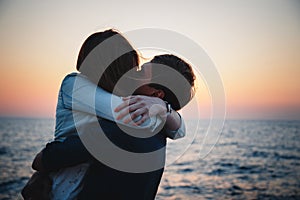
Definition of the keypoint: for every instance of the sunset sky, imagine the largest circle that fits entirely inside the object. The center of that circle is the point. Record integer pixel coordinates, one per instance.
(255, 46)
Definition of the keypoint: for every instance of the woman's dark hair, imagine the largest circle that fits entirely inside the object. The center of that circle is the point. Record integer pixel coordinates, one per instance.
(186, 92)
(110, 60)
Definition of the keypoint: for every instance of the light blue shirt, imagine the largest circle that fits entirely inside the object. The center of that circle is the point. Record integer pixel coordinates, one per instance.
(80, 102)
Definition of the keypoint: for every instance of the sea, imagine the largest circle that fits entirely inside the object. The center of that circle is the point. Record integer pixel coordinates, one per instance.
(248, 159)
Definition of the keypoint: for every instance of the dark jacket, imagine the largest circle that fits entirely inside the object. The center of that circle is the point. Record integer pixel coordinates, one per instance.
(101, 181)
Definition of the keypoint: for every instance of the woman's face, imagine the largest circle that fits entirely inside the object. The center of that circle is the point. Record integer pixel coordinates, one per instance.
(145, 74)
(137, 79)
(145, 90)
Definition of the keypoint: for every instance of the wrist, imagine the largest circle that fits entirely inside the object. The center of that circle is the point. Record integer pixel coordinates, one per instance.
(168, 108)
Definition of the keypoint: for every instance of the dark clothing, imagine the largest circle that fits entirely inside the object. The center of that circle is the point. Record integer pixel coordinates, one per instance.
(107, 183)
(101, 181)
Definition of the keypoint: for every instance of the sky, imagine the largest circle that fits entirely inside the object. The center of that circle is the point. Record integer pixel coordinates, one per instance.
(255, 46)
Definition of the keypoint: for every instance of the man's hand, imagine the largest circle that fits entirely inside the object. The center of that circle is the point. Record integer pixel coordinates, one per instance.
(37, 162)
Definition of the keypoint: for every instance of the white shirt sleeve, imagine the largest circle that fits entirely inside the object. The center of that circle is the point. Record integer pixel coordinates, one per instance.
(82, 95)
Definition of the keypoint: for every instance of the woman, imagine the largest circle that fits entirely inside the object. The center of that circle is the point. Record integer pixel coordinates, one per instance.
(65, 126)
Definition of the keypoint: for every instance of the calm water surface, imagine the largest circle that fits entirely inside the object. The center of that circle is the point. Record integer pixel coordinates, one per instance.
(252, 160)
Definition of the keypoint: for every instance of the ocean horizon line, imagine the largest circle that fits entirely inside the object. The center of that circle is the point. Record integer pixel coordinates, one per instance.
(187, 118)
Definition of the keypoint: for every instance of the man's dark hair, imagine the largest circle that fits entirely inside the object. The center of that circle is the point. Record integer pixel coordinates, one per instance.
(185, 70)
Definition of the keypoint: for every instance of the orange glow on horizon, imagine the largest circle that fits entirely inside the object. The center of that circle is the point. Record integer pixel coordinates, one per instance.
(255, 48)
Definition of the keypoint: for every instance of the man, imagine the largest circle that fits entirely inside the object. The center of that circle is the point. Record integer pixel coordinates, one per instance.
(103, 181)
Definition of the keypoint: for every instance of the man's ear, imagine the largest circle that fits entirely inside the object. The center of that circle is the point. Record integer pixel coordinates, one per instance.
(159, 93)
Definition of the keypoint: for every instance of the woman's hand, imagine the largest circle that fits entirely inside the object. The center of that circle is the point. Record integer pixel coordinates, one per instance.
(140, 105)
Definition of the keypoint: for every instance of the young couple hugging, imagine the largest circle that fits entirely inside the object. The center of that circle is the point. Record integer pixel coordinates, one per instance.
(136, 108)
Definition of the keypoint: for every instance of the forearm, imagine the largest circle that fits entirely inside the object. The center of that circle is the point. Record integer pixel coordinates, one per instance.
(173, 121)
(175, 126)
(57, 155)
(82, 95)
